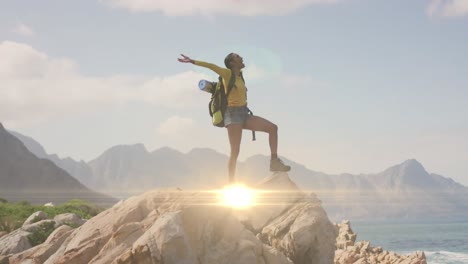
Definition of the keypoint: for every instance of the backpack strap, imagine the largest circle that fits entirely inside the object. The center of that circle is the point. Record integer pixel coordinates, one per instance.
(232, 81)
(253, 131)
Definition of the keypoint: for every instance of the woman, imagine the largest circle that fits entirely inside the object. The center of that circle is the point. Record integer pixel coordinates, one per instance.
(236, 116)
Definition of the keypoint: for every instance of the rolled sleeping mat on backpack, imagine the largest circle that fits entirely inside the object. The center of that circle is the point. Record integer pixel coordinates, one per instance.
(206, 86)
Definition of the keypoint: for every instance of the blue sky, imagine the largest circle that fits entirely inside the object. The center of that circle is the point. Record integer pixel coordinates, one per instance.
(354, 85)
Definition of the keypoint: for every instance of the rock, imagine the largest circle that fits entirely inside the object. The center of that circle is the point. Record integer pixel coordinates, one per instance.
(40, 253)
(175, 226)
(161, 226)
(364, 246)
(363, 253)
(70, 219)
(35, 217)
(174, 237)
(43, 224)
(121, 240)
(3, 233)
(298, 226)
(280, 194)
(273, 256)
(49, 204)
(377, 250)
(346, 236)
(15, 242)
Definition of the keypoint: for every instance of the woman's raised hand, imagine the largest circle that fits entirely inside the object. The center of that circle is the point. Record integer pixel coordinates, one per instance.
(185, 59)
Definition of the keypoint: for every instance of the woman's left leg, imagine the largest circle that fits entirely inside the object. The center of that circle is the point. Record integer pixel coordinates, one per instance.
(257, 123)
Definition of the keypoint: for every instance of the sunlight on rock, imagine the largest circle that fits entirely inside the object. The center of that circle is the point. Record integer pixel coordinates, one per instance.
(237, 196)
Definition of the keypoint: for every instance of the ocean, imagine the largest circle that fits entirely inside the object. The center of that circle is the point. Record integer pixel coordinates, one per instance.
(443, 243)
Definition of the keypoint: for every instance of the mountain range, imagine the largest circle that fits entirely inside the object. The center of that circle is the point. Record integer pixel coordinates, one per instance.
(24, 176)
(406, 190)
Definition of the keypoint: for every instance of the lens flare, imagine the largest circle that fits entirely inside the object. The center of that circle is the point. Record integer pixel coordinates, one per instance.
(238, 196)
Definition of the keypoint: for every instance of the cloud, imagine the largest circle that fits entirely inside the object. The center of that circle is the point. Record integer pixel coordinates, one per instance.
(24, 30)
(213, 7)
(447, 8)
(179, 90)
(35, 87)
(283, 80)
(295, 81)
(175, 125)
(255, 72)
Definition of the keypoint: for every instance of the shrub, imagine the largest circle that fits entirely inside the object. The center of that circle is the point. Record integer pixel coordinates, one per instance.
(40, 235)
(24, 203)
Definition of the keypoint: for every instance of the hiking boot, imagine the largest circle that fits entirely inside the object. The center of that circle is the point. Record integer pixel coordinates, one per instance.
(277, 165)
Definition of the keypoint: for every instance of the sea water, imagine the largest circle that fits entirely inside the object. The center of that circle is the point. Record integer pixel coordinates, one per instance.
(443, 243)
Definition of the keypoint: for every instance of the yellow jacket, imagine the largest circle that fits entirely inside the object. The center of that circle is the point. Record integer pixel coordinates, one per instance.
(238, 94)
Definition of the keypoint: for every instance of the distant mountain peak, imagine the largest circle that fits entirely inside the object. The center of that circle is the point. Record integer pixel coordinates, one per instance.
(411, 162)
(203, 151)
(410, 173)
(412, 166)
(139, 147)
(166, 150)
(33, 146)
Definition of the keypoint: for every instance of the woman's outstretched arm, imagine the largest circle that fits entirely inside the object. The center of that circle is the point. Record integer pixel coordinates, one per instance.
(225, 73)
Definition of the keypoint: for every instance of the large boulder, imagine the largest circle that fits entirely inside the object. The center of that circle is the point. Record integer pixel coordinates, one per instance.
(295, 223)
(35, 217)
(175, 226)
(15, 242)
(69, 219)
(45, 225)
(42, 252)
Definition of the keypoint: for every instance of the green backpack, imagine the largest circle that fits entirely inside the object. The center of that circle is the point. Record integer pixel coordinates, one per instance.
(218, 103)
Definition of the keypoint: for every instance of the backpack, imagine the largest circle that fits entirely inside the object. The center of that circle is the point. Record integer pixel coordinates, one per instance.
(218, 103)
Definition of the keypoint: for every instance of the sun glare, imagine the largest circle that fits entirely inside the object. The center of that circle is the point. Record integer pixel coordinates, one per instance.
(238, 196)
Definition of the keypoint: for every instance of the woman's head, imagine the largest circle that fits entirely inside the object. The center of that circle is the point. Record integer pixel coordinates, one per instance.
(233, 60)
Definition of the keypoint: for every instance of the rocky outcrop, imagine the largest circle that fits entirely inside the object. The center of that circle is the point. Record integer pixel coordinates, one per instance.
(68, 219)
(35, 217)
(285, 226)
(20, 240)
(15, 242)
(175, 226)
(293, 222)
(349, 252)
(42, 252)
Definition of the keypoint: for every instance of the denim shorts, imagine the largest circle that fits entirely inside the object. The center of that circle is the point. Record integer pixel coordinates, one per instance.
(236, 115)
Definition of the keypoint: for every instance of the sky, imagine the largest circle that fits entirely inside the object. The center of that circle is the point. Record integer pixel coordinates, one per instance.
(355, 86)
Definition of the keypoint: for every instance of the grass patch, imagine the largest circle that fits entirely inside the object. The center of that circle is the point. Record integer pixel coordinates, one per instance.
(13, 215)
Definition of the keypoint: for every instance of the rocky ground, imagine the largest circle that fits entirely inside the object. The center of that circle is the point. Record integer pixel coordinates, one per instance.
(349, 251)
(176, 226)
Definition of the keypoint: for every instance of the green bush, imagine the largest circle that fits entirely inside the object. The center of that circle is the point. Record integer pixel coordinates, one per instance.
(24, 203)
(40, 235)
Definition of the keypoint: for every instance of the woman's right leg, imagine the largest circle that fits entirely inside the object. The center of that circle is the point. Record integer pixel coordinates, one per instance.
(235, 136)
